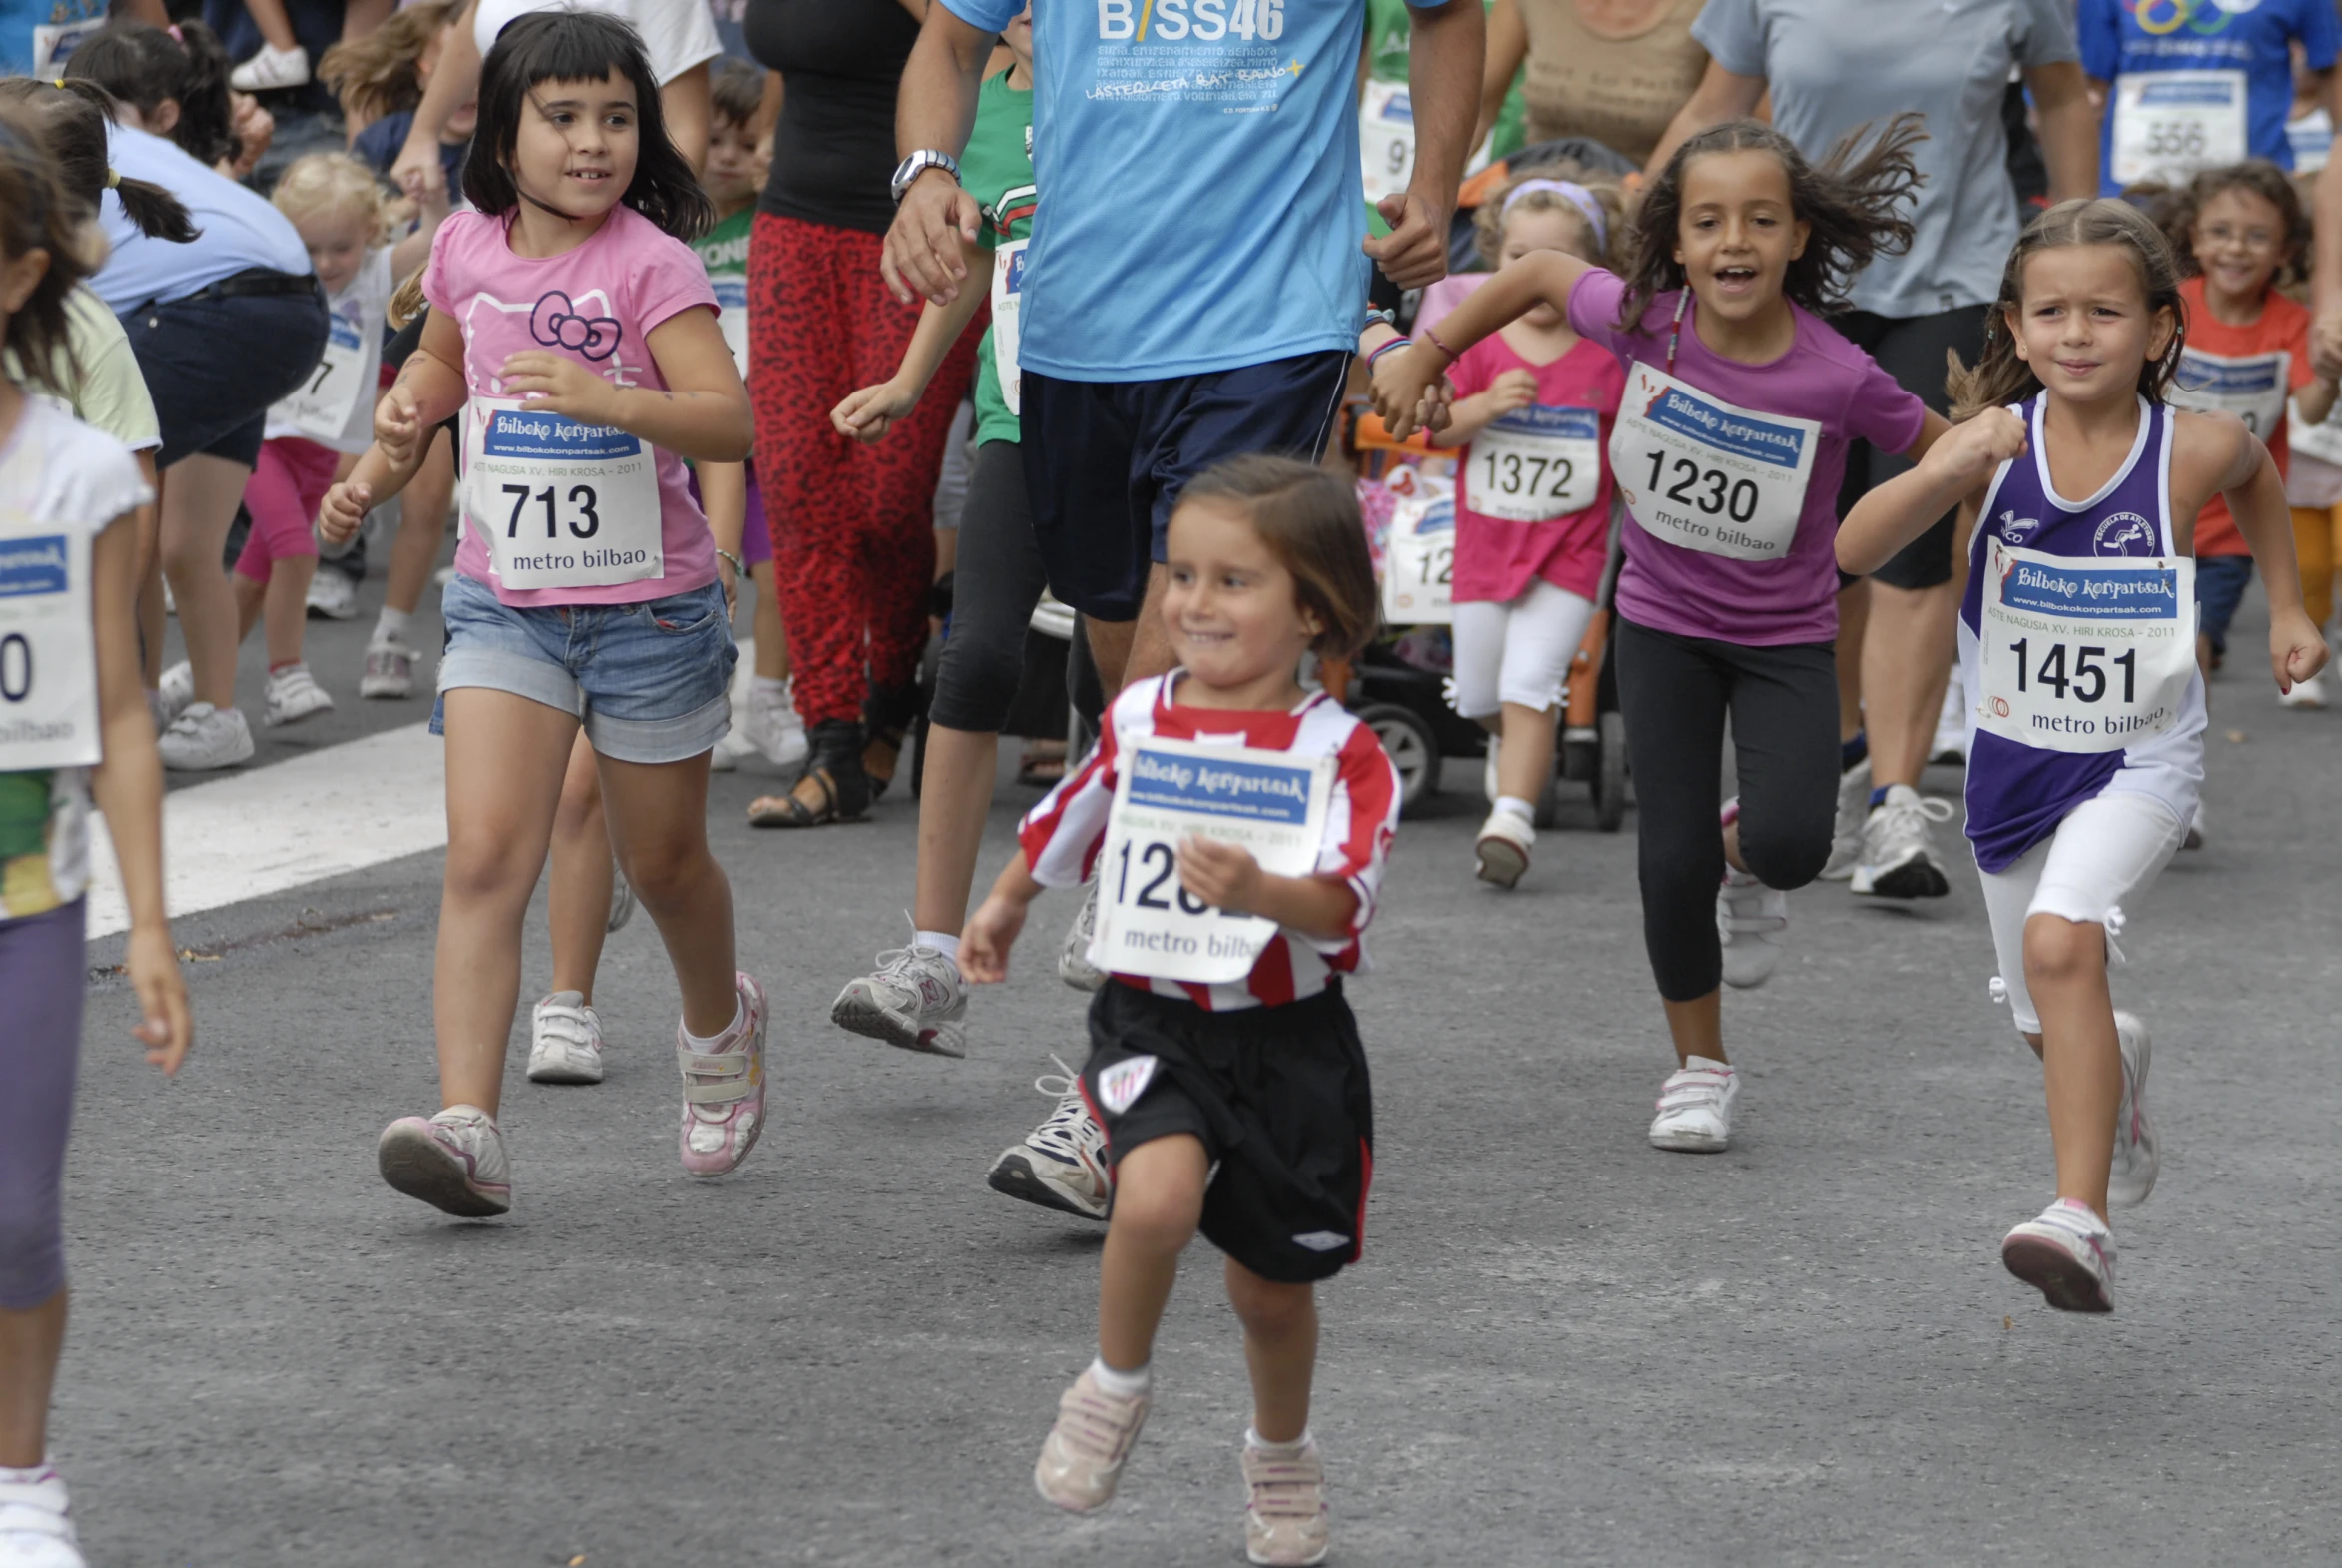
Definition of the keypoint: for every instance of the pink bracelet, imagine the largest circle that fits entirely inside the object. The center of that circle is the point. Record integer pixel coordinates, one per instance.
(1433, 334)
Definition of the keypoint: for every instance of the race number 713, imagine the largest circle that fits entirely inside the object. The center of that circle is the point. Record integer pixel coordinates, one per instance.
(582, 501)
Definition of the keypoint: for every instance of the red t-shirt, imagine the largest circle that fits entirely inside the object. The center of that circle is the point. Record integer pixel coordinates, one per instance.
(2245, 370)
(1554, 453)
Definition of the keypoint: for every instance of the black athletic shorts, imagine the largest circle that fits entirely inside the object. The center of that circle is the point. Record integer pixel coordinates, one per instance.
(1911, 349)
(1104, 462)
(1278, 1096)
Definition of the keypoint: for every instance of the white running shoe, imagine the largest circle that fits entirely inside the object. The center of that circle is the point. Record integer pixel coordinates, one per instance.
(389, 670)
(1074, 965)
(1062, 1162)
(2067, 1255)
(1845, 836)
(292, 694)
(2310, 693)
(1285, 1521)
(915, 1000)
(1898, 857)
(453, 1161)
(1503, 849)
(36, 1521)
(1750, 918)
(729, 751)
(564, 1041)
(176, 693)
(204, 737)
(272, 70)
(333, 595)
(2137, 1155)
(2196, 837)
(723, 1088)
(621, 898)
(773, 726)
(1694, 1107)
(1951, 742)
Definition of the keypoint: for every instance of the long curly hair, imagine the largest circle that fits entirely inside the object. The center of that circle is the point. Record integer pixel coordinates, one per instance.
(1853, 204)
(2262, 179)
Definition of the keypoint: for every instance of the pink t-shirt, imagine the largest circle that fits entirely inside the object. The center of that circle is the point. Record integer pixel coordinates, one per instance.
(599, 304)
(1518, 460)
(1822, 377)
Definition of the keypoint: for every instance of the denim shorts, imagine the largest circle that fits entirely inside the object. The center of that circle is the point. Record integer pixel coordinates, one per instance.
(651, 681)
(2220, 581)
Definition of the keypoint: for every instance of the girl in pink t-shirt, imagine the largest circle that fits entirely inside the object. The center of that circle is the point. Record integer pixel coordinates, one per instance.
(576, 333)
(1532, 417)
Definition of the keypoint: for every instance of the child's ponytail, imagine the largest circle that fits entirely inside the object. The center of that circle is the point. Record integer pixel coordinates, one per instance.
(72, 117)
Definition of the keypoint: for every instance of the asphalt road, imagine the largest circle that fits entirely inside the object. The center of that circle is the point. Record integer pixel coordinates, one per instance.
(1562, 1345)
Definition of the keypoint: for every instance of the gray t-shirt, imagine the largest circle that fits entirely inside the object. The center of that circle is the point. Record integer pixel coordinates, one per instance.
(1833, 64)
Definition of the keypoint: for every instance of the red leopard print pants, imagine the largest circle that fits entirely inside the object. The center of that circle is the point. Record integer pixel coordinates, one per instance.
(852, 524)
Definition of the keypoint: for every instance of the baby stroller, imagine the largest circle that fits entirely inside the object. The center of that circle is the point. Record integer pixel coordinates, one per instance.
(1399, 685)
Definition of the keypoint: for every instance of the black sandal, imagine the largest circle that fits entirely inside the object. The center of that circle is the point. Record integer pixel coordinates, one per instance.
(840, 790)
(886, 721)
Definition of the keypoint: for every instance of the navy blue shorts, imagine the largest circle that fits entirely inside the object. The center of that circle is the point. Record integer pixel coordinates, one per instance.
(215, 365)
(1104, 462)
(2220, 581)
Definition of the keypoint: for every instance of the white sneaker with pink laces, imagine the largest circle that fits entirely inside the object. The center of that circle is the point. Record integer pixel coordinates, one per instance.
(1081, 1458)
(453, 1161)
(2067, 1255)
(723, 1088)
(1286, 1522)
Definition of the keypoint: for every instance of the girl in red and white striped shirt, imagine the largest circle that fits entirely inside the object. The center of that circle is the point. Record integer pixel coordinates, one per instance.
(1262, 1076)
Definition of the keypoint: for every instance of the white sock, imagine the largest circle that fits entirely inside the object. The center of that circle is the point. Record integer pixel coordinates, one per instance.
(702, 1041)
(1513, 805)
(29, 1476)
(1123, 1385)
(943, 942)
(767, 686)
(1254, 1440)
(391, 626)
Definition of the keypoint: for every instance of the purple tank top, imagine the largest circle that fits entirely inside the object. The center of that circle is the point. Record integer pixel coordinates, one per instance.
(2017, 794)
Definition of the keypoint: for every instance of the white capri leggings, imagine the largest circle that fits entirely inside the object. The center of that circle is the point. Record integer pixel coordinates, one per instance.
(1518, 651)
(2103, 855)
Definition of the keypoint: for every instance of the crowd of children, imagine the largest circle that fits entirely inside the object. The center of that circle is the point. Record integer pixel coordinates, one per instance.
(1645, 398)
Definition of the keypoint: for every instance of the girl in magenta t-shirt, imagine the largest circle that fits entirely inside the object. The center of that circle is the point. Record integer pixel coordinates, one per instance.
(1730, 441)
(576, 332)
(1532, 416)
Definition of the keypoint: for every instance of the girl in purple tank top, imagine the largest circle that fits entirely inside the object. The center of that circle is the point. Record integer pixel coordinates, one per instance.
(2080, 487)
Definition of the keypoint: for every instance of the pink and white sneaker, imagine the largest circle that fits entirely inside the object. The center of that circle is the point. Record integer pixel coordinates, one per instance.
(2067, 1255)
(723, 1088)
(453, 1161)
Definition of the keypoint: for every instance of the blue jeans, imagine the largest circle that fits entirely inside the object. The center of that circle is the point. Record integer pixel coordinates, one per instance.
(651, 681)
(2220, 581)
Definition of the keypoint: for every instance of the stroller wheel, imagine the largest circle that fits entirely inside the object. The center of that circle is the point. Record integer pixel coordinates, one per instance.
(1610, 773)
(1412, 747)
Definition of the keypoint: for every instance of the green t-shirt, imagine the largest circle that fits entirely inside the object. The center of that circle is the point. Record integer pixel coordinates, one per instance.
(723, 249)
(1389, 26)
(996, 168)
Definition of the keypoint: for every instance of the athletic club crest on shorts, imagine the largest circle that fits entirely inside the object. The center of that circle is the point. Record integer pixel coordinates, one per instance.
(1119, 1085)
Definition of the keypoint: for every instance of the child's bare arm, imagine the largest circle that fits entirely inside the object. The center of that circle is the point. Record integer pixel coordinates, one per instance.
(2256, 501)
(1402, 377)
(1227, 876)
(989, 933)
(1950, 469)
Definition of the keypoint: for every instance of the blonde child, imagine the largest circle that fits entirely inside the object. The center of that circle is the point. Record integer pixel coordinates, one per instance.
(77, 731)
(1534, 404)
(2077, 642)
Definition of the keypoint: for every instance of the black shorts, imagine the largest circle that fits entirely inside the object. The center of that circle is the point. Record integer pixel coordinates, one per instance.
(214, 367)
(1910, 349)
(1278, 1097)
(1104, 462)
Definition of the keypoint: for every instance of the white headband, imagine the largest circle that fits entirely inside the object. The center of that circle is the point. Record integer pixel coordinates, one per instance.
(1576, 195)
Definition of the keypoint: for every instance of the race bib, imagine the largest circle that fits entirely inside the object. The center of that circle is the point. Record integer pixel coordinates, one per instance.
(1387, 139)
(1008, 293)
(732, 315)
(561, 505)
(322, 408)
(1698, 473)
(1419, 567)
(54, 43)
(48, 652)
(1535, 464)
(2251, 385)
(1269, 802)
(2084, 654)
(2171, 124)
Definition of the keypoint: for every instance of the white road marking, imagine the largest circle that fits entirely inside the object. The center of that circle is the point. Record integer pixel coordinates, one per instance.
(252, 834)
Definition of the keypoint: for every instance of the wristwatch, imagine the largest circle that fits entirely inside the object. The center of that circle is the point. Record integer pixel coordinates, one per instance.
(918, 164)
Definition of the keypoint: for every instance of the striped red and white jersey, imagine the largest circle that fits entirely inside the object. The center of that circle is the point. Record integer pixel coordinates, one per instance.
(1062, 836)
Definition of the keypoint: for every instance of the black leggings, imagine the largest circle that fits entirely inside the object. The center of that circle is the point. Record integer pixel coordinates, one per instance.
(1674, 693)
(996, 581)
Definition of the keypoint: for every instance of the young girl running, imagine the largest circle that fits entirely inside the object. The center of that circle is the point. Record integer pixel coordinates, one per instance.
(338, 209)
(2078, 642)
(1224, 1064)
(1534, 407)
(1727, 450)
(577, 333)
(76, 727)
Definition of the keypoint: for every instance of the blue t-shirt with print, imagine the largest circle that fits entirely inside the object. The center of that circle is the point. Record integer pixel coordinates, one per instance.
(1214, 212)
(2140, 37)
(37, 35)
